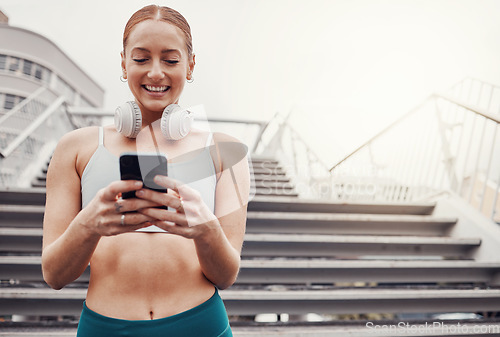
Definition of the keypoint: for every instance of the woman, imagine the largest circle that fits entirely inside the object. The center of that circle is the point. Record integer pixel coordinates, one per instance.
(147, 284)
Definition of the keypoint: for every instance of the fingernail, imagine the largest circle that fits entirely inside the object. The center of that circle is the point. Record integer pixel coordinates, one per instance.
(138, 183)
(159, 179)
(140, 193)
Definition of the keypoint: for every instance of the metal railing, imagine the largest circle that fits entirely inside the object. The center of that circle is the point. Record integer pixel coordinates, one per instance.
(247, 131)
(28, 135)
(449, 142)
(30, 131)
(308, 173)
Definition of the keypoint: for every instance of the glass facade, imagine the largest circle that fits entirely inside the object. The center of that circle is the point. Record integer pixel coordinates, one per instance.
(22, 67)
(8, 101)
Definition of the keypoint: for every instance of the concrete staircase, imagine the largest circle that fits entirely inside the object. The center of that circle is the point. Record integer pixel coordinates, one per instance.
(360, 268)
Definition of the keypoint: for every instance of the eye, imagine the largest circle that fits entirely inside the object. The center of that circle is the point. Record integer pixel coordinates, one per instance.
(172, 61)
(140, 60)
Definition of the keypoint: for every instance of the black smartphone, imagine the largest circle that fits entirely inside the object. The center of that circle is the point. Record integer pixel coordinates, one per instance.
(143, 167)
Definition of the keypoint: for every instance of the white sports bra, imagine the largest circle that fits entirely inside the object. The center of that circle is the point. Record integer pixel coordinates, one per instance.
(103, 168)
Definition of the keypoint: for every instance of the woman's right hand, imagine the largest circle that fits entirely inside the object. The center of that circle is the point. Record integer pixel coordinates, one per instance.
(108, 214)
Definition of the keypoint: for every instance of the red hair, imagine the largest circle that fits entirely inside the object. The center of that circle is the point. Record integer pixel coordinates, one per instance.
(161, 13)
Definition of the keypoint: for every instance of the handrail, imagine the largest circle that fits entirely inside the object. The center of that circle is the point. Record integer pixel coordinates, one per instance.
(470, 107)
(32, 127)
(263, 128)
(309, 149)
(21, 105)
(389, 127)
(86, 111)
(452, 145)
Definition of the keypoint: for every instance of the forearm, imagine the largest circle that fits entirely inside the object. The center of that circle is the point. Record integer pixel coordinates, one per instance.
(219, 260)
(65, 259)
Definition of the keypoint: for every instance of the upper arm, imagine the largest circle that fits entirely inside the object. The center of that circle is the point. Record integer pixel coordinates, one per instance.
(233, 188)
(63, 200)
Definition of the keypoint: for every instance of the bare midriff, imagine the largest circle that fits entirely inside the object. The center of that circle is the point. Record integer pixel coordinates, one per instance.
(140, 276)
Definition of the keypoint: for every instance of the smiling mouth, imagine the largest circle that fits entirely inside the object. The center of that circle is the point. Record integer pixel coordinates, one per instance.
(154, 88)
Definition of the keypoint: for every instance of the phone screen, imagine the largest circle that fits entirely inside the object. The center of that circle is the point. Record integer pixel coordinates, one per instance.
(143, 167)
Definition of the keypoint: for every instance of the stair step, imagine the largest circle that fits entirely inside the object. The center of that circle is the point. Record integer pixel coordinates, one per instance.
(38, 184)
(346, 301)
(41, 180)
(21, 216)
(36, 196)
(266, 164)
(367, 224)
(325, 329)
(278, 171)
(276, 193)
(22, 196)
(284, 204)
(68, 301)
(294, 271)
(272, 185)
(26, 240)
(276, 212)
(265, 177)
(27, 269)
(303, 245)
(262, 159)
(29, 240)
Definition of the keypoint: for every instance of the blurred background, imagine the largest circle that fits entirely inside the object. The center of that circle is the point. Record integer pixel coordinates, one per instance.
(344, 68)
(353, 216)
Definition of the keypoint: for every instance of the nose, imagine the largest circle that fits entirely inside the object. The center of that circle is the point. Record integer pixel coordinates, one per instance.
(156, 73)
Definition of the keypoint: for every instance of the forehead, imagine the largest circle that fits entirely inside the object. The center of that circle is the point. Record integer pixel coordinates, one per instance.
(156, 35)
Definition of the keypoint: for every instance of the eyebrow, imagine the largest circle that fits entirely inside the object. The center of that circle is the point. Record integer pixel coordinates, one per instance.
(164, 51)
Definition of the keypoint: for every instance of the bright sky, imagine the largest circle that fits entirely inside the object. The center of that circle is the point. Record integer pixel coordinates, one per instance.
(346, 68)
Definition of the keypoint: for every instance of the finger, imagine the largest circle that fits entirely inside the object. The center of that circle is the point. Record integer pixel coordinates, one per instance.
(173, 228)
(164, 215)
(160, 198)
(181, 189)
(168, 182)
(121, 186)
(133, 204)
(132, 219)
(180, 208)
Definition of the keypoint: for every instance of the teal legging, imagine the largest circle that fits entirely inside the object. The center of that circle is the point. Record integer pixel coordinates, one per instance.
(208, 319)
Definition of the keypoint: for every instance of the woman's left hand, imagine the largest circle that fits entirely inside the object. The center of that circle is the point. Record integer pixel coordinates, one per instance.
(190, 218)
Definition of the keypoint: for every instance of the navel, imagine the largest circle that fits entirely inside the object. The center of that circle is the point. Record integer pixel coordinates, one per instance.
(151, 314)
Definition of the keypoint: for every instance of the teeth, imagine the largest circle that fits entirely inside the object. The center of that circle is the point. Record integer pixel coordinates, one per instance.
(157, 89)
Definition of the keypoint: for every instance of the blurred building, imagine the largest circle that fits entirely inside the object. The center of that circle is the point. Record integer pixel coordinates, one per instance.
(38, 82)
(29, 61)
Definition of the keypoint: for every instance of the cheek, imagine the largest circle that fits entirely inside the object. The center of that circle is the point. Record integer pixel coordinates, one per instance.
(179, 77)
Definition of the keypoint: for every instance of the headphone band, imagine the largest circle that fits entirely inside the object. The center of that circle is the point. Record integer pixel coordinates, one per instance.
(176, 122)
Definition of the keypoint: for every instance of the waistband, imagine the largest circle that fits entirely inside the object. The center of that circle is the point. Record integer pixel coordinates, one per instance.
(209, 317)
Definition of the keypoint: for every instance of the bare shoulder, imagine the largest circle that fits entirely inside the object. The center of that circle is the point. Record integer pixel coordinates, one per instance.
(230, 149)
(75, 146)
(220, 137)
(78, 138)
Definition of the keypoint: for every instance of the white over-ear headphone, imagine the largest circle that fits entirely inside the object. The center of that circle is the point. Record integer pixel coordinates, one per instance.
(176, 122)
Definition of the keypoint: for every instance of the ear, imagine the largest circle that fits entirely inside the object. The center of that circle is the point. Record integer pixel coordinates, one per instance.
(124, 69)
(191, 64)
